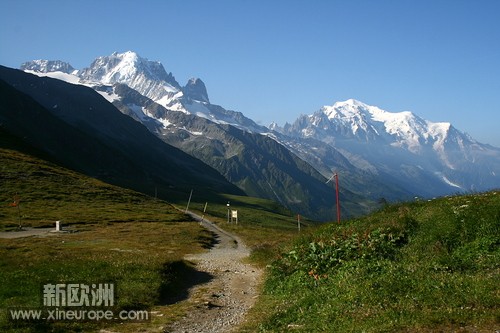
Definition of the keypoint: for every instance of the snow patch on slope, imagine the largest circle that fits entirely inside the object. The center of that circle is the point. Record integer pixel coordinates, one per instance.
(447, 181)
(70, 78)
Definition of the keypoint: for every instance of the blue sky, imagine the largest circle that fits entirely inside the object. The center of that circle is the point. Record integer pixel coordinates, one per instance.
(274, 60)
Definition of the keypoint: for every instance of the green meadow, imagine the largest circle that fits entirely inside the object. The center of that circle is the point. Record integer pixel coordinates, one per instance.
(424, 266)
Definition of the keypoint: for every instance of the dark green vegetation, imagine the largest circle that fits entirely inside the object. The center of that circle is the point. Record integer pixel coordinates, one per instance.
(415, 267)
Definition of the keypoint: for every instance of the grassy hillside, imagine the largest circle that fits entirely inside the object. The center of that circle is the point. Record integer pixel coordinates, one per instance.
(48, 193)
(417, 267)
(117, 236)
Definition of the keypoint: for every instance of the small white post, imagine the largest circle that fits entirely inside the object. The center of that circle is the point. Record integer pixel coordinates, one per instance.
(58, 226)
(189, 200)
(204, 210)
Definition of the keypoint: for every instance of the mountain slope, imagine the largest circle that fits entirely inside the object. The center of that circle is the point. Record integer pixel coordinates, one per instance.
(256, 163)
(82, 130)
(355, 175)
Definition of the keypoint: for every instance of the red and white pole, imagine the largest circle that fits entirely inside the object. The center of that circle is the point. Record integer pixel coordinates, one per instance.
(337, 195)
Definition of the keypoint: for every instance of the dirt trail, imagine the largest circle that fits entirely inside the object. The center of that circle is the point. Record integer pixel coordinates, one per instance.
(222, 303)
(27, 232)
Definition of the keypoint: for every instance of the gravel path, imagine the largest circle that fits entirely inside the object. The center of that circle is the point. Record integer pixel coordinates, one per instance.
(27, 232)
(222, 303)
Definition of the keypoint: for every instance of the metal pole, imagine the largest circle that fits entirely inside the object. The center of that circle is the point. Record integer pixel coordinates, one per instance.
(337, 194)
(187, 207)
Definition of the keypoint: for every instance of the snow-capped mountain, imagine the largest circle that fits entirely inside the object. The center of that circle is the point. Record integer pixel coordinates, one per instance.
(364, 123)
(402, 144)
(379, 153)
(147, 77)
(352, 121)
(151, 80)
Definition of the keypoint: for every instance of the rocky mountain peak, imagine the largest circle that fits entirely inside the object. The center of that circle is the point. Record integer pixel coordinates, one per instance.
(196, 89)
(128, 68)
(47, 66)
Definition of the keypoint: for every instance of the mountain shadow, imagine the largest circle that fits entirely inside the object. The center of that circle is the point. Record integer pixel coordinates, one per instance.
(81, 130)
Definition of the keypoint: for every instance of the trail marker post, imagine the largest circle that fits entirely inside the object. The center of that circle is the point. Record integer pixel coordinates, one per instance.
(204, 210)
(234, 216)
